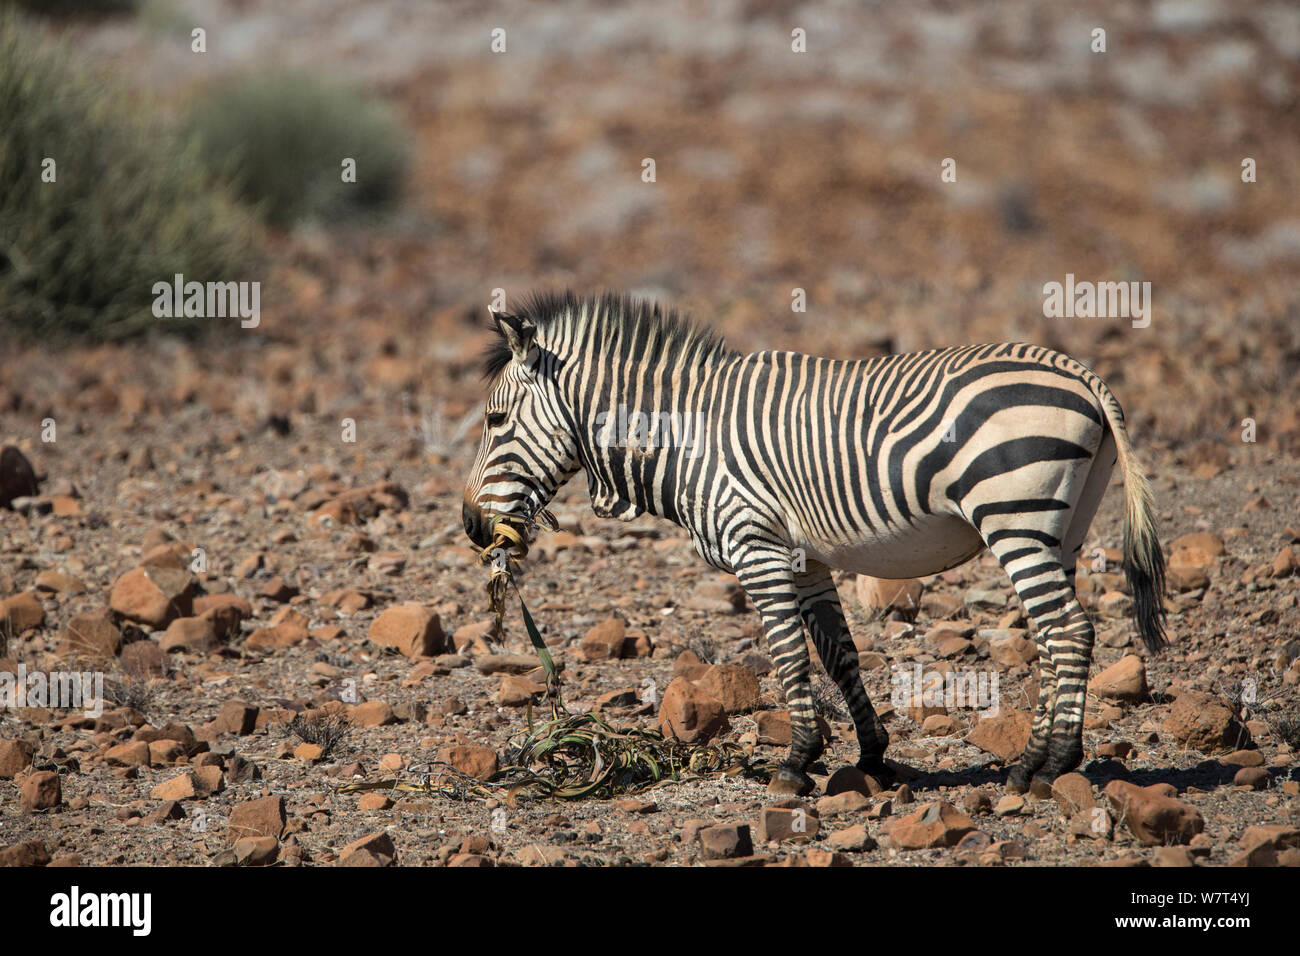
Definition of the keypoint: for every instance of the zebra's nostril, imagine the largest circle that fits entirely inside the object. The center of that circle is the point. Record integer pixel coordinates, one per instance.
(470, 519)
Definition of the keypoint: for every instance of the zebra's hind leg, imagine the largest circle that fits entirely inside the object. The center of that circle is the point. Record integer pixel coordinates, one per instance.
(819, 604)
(1065, 639)
(766, 574)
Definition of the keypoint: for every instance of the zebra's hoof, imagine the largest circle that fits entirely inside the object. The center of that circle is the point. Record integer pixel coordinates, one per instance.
(1018, 780)
(789, 783)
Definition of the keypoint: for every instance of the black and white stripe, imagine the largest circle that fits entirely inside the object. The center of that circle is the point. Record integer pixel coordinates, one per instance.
(895, 467)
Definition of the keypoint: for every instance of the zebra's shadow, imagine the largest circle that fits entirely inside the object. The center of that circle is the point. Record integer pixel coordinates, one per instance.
(1207, 775)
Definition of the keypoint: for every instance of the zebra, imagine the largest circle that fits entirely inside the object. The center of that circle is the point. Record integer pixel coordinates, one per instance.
(895, 467)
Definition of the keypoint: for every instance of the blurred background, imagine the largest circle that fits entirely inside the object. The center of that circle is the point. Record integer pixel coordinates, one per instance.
(522, 169)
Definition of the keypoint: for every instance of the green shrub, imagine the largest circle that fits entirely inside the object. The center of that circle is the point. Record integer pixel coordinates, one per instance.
(283, 138)
(130, 205)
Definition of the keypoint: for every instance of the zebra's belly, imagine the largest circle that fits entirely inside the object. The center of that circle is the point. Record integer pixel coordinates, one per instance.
(932, 543)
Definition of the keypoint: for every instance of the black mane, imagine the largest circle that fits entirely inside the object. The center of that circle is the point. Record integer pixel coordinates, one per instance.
(637, 326)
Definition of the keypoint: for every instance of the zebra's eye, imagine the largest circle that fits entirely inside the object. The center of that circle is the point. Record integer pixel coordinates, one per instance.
(496, 419)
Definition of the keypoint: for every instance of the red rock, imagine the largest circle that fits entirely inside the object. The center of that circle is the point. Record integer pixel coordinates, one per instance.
(135, 754)
(15, 757)
(603, 642)
(1073, 794)
(20, 613)
(478, 762)
(725, 842)
(732, 685)
(1257, 778)
(1010, 647)
(937, 824)
(1205, 723)
(1152, 815)
(1004, 736)
(882, 595)
(373, 713)
(516, 690)
(376, 849)
(690, 713)
(28, 853)
(210, 602)
(257, 818)
(59, 583)
(256, 851)
(852, 839)
(774, 727)
(41, 790)
(235, 717)
(180, 787)
(164, 752)
(153, 596)
(781, 824)
(1206, 541)
(1124, 681)
(411, 629)
(91, 635)
(277, 589)
(196, 634)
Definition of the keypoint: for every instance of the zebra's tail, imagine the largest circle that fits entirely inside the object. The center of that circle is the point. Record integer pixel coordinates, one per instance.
(1144, 562)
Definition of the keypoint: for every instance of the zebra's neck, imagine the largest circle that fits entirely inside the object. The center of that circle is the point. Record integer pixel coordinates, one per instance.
(642, 416)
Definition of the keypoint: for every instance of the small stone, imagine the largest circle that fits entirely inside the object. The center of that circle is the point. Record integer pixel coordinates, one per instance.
(373, 713)
(177, 788)
(411, 629)
(263, 817)
(1205, 723)
(22, 612)
(782, 824)
(1009, 805)
(1073, 794)
(474, 761)
(732, 685)
(256, 851)
(725, 842)
(153, 596)
(1004, 736)
(883, 595)
(42, 790)
(690, 713)
(1152, 814)
(936, 824)
(1124, 681)
(852, 839)
(1256, 778)
(15, 757)
(376, 849)
(604, 642)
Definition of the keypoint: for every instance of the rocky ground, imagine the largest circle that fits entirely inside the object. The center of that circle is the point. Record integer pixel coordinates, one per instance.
(266, 527)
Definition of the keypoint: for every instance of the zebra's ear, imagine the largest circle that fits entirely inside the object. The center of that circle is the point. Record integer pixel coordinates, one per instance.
(519, 334)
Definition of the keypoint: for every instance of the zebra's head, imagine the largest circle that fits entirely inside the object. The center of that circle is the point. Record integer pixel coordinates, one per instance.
(528, 449)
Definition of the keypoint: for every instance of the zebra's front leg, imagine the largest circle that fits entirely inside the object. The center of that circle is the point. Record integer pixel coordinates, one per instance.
(767, 577)
(823, 616)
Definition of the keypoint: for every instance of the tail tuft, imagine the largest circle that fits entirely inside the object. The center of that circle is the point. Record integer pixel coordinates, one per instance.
(1144, 562)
